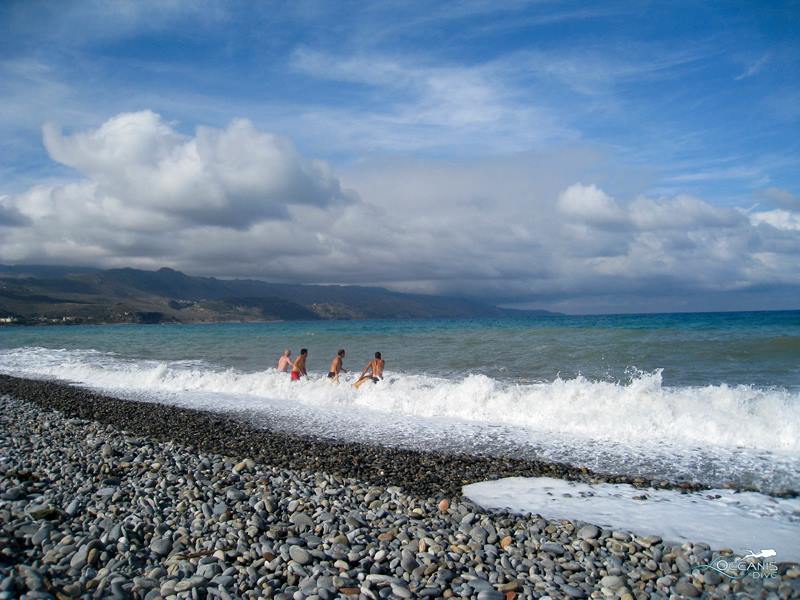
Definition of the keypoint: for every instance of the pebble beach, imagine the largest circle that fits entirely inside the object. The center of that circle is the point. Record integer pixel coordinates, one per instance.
(109, 498)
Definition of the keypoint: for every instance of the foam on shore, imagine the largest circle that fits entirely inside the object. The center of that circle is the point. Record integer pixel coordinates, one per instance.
(639, 409)
(743, 522)
(714, 435)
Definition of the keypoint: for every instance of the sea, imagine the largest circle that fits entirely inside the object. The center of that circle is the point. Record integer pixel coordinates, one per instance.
(709, 398)
(712, 398)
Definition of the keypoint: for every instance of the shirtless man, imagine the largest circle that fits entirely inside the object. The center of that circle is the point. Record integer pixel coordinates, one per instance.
(299, 366)
(373, 371)
(337, 367)
(285, 361)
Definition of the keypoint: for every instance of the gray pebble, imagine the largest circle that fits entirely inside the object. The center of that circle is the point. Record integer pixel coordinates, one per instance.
(300, 555)
(612, 582)
(72, 507)
(161, 546)
(553, 548)
(684, 588)
(588, 532)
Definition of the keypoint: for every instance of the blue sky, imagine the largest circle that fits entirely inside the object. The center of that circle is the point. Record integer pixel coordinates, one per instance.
(645, 101)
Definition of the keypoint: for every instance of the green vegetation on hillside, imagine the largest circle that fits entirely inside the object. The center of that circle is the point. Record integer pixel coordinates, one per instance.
(45, 294)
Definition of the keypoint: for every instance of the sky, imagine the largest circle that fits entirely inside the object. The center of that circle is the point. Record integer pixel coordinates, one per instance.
(581, 157)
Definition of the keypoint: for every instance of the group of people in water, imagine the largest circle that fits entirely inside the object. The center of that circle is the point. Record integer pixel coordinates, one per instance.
(297, 367)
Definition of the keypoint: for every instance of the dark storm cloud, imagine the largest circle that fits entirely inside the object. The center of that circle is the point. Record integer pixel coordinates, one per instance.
(781, 198)
(11, 217)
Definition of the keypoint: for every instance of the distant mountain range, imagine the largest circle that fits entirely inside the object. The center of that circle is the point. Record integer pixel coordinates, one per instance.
(52, 294)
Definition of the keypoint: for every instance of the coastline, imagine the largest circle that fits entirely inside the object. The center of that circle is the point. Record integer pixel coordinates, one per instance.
(427, 473)
(103, 497)
(109, 323)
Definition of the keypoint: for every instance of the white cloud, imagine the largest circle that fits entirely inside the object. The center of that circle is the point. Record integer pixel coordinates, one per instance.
(785, 219)
(753, 67)
(681, 212)
(241, 202)
(411, 105)
(778, 218)
(590, 204)
(233, 177)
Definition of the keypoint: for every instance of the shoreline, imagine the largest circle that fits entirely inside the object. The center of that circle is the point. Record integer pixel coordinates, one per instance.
(109, 323)
(427, 473)
(88, 510)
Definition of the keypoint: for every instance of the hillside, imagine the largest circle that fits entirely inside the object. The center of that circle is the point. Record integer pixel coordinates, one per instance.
(48, 294)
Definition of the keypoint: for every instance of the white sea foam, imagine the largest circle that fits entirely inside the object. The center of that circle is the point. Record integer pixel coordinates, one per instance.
(721, 518)
(641, 410)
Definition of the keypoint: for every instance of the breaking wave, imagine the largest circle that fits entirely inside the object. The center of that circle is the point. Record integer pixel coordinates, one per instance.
(639, 410)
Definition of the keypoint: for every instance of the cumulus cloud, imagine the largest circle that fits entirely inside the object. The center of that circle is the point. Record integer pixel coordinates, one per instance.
(785, 218)
(778, 218)
(238, 201)
(232, 177)
(590, 204)
(147, 195)
(517, 231)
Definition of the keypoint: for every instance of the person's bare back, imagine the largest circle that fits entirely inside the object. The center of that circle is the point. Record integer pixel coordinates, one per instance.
(373, 371)
(377, 367)
(337, 367)
(285, 361)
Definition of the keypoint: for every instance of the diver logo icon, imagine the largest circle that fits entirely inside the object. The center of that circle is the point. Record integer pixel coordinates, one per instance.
(768, 553)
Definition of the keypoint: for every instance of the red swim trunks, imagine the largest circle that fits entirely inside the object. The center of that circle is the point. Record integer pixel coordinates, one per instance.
(295, 375)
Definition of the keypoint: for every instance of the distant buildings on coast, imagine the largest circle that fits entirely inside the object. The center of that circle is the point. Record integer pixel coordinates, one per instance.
(12, 320)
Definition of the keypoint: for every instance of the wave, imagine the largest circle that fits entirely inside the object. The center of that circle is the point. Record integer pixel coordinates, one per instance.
(638, 411)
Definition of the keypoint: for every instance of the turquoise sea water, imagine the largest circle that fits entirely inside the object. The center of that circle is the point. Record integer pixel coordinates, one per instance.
(712, 397)
(758, 348)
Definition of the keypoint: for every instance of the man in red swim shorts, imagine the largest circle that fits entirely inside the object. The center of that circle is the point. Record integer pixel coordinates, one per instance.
(299, 366)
